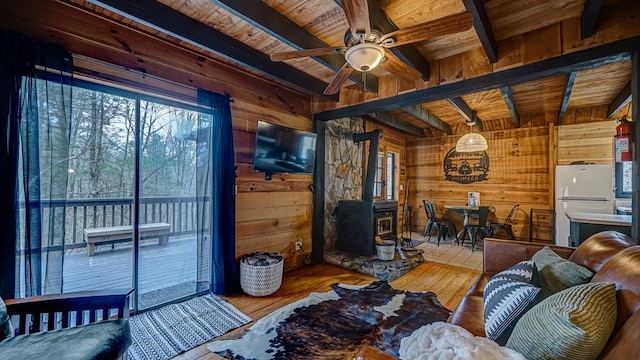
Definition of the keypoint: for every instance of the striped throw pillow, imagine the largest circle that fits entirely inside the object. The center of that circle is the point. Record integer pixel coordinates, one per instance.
(507, 296)
(557, 273)
(572, 324)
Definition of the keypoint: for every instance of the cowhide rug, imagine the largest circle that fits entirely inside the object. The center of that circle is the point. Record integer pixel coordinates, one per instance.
(336, 324)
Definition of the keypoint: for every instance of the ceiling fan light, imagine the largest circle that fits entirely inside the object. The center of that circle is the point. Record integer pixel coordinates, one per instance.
(364, 57)
(471, 142)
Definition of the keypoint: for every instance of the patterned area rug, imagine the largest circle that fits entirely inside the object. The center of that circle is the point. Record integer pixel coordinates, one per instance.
(166, 332)
(336, 324)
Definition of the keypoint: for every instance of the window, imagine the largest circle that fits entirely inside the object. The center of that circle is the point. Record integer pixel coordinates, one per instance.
(385, 177)
(623, 179)
(379, 182)
(390, 183)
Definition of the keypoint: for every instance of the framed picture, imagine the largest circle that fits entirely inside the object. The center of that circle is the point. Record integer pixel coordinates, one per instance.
(473, 198)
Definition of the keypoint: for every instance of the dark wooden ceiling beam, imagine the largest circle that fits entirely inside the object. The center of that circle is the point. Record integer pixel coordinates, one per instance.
(597, 56)
(622, 99)
(169, 21)
(396, 123)
(259, 14)
(407, 53)
(463, 108)
(589, 18)
(566, 95)
(428, 118)
(507, 95)
(482, 25)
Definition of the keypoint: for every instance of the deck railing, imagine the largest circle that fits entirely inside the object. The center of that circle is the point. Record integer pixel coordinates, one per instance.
(67, 219)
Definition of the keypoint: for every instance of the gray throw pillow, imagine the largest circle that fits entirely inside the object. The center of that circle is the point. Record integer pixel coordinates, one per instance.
(508, 296)
(6, 329)
(557, 273)
(572, 324)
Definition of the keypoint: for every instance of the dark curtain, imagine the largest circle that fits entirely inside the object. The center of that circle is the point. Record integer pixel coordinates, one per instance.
(12, 67)
(33, 134)
(45, 129)
(218, 136)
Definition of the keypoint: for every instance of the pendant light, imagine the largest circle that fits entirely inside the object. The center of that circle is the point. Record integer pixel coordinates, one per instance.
(471, 142)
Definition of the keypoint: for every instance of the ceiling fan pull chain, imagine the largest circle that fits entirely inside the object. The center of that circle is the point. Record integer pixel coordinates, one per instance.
(364, 87)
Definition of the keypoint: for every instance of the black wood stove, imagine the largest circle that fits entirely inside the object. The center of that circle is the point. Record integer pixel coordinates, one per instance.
(360, 221)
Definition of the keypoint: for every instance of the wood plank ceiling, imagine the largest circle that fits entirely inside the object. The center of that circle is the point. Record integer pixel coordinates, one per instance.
(245, 33)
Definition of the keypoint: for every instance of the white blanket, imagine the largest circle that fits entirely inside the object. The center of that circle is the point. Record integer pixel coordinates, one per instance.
(444, 341)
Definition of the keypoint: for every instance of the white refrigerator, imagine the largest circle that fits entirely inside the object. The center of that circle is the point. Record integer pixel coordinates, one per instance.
(582, 188)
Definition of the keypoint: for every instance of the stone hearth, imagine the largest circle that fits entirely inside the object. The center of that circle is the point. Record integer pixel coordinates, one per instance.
(344, 182)
(370, 265)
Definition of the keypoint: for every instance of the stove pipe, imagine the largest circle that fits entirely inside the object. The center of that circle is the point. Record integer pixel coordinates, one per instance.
(374, 140)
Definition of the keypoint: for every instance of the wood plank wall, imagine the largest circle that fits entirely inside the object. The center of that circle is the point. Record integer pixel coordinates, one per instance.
(520, 170)
(590, 142)
(518, 173)
(271, 214)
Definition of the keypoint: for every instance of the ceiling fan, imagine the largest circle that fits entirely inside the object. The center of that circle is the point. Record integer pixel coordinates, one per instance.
(366, 46)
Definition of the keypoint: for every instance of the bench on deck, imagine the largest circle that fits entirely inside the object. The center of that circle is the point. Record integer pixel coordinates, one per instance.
(115, 234)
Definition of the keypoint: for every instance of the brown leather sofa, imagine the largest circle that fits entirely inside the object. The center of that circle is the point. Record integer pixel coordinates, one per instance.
(611, 255)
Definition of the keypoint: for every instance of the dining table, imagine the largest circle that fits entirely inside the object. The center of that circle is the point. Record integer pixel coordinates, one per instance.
(466, 211)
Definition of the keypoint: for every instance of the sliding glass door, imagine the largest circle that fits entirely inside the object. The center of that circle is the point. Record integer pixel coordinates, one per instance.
(168, 204)
(111, 195)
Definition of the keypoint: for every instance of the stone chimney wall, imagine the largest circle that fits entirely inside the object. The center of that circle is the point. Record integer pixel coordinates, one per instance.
(343, 170)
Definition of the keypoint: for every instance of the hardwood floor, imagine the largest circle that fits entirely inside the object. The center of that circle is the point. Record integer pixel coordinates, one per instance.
(448, 282)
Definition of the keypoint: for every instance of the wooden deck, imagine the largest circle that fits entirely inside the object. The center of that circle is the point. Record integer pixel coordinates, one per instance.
(171, 267)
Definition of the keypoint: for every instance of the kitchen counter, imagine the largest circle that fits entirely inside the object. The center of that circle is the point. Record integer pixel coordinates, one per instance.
(606, 219)
(583, 225)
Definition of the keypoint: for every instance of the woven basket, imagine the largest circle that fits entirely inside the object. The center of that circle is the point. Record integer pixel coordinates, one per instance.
(261, 280)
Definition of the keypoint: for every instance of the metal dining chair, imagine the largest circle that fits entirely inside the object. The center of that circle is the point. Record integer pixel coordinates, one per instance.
(507, 224)
(430, 221)
(437, 218)
(480, 228)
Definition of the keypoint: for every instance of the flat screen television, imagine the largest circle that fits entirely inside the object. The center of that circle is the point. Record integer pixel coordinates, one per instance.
(283, 150)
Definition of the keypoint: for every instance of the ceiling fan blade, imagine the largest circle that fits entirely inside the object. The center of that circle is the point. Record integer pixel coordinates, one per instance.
(444, 26)
(400, 68)
(305, 53)
(337, 81)
(357, 12)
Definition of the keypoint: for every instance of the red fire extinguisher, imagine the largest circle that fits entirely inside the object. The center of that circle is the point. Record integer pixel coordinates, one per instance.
(623, 141)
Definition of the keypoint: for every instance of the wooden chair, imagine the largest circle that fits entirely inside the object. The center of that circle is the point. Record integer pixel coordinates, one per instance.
(506, 225)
